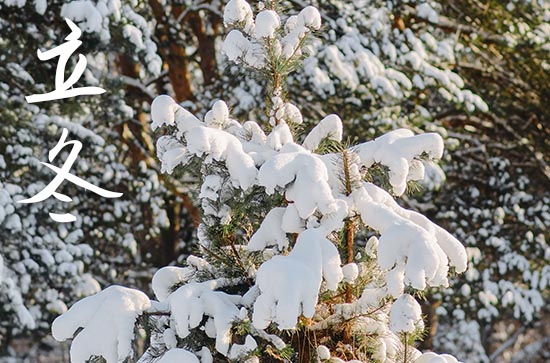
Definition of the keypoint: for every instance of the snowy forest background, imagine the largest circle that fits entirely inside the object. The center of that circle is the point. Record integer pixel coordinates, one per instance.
(475, 73)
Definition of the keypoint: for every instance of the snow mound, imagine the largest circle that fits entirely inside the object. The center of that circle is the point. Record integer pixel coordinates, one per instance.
(406, 315)
(303, 170)
(397, 150)
(238, 11)
(329, 128)
(284, 297)
(267, 23)
(107, 320)
(167, 277)
(431, 357)
(415, 250)
(191, 302)
(178, 355)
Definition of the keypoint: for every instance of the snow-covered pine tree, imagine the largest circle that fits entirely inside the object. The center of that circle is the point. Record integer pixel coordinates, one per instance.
(302, 255)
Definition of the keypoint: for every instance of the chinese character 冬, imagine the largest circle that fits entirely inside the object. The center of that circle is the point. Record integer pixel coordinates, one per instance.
(64, 174)
(63, 88)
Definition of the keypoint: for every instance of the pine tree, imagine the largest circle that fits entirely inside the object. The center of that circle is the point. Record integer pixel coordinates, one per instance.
(302, 254)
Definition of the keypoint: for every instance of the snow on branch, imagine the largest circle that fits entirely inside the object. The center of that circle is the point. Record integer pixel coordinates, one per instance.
(412, 248)
(297, 172)
(284, 297)
(202, 139)
(178, 355)
(191, 302)
(107, 320)
(397, 150)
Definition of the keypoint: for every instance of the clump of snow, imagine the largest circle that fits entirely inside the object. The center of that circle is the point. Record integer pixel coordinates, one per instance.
(302, 170)
(203, 139)
(107, 320)
(416, 251)
(218, 116)
(167, 277)
(279, 136)
(309, 17)
(163, 111)
(220, 145)
(40, 6)
(178, 355)
(84, 13)
(171, 153)
(192, 301)
(431, 357)
(425, 11)
(238, 11)
(270, 232)
(351, 271)
(323, 352)
(267, 22)
(283, 297)
(406, 315)
(239, 351)
(87, 286)
(293, 114)
(328, 128)
(397, 150)
(235, 45)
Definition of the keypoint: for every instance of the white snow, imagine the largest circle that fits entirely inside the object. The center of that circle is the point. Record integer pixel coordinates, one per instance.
(431, 357)
(406, 315)
(134, 35)
(293, 114)
(167, 277)
(84, 13)
(171, 153)
(235, 45)
(279, 136)
(292, 223)
(323, 352)
(178, 355)
(328, 128)
(40, 6)
(239, 351)
(270, 232)
(192, 301)
(411, 246)
(238, 11)
(163, 111)
(203, 141)
(350, 271)
(267, 22)
(220, 145)
(309, 17)
(302, 170)
(87, 286)
(396, 150)
(425, 11)
(218, 116)
(284, 297)
(107, 319)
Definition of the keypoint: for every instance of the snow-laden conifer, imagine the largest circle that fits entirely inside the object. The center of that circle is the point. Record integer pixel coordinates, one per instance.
(281, 270)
